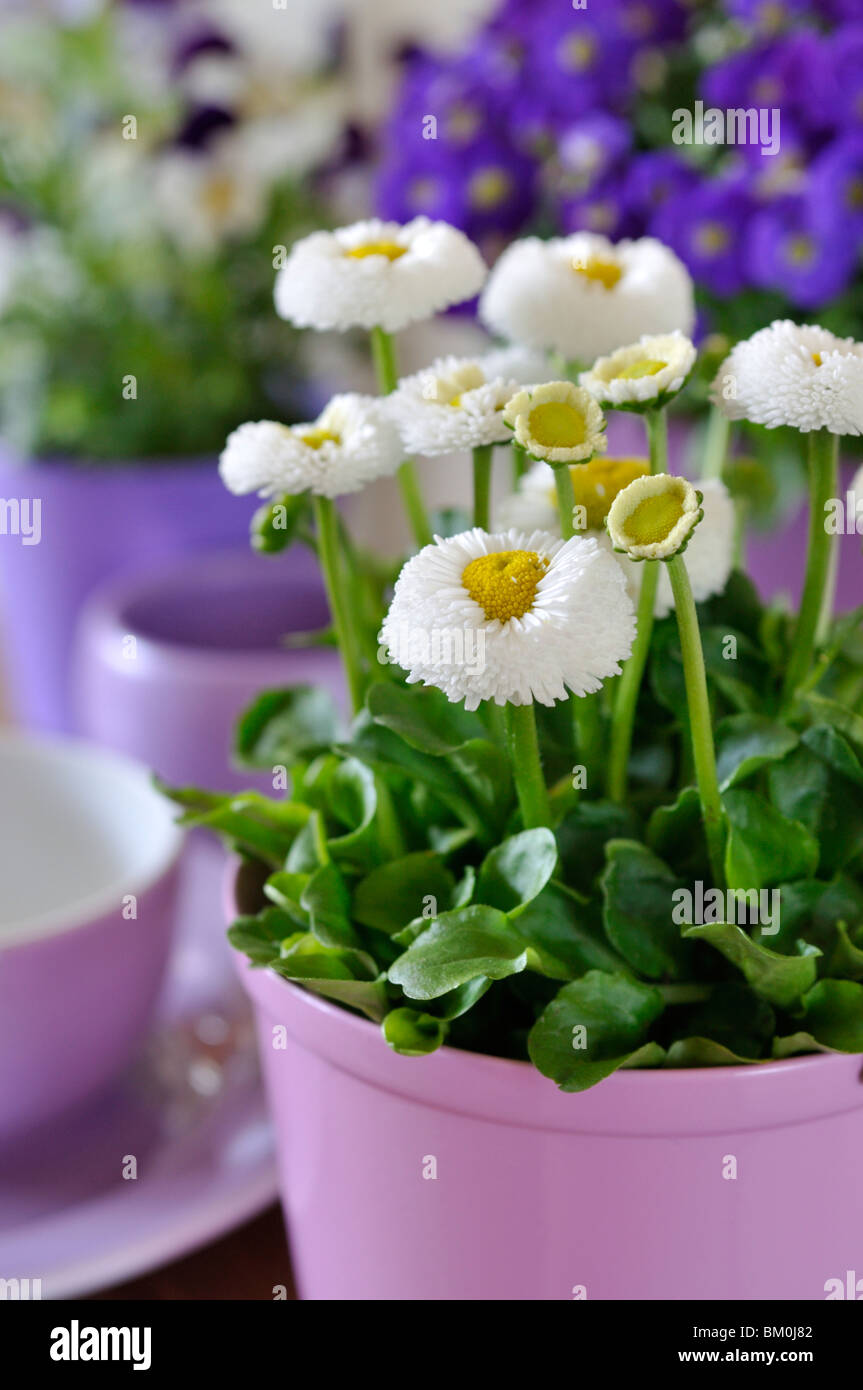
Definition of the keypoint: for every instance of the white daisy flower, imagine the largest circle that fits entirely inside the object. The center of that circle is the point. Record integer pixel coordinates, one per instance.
(456, 403)
(349, 445)
(595, 486)
(794, 374)
(557, 422)
(582, 295)
(645, 374)
(512, 617)
(377, 275)
(653, 518)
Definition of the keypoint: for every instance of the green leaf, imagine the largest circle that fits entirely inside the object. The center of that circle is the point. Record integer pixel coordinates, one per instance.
(456, 948)
(328, 903)
(836, 751)
(563, 938)
(764, 847)
(676, 834)
(794, 1044)
(846, 957)
(517, 870)
(834, 1014)
(809, 786)
(638, 891)
(394, 894)
(733, 1016)
(592, 1027)
(781, 980)
(260, 937)
(485, 771)
(704, 1052)
(843, 719)
(747, 742)
(413, 1034)
(347, 976)
(282, 725)
(583, 835)
(286, 890)
(423, 717)
(352, 799)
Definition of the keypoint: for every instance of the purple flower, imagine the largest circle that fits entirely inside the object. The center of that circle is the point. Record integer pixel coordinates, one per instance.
(580, 59)
(777, 74)
(837, 89)
(602, 209)
(586, 150)
(653, 179)
(768, 16)
(806, 256)
(201, 124)
(704, 226)
(487, 187)
(836, 183)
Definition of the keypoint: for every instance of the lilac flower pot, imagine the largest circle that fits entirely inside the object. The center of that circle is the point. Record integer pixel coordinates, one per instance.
(166, 661)
(89, 868)
(95, 522)
(465, 1177)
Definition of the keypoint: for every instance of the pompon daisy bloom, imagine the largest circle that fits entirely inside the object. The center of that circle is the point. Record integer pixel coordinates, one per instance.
(377, 275)
(456, 403)
(349, 445)
(582, 295)
(514, 617)
(595, 486)
(645, 375)
(557, 422)
(654, 517)
(793, 374)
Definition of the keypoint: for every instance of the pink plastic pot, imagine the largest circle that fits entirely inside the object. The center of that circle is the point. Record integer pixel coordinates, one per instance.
(623, 1192)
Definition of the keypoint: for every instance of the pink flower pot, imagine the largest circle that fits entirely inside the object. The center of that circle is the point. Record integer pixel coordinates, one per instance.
(460, 1176)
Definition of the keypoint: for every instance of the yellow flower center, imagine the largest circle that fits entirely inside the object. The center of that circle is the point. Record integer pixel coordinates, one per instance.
(801, 250)
(596, 484)
(316, 437)
(604, 272)
(489, 188)
(220, 193)
(653, 520)
(504, 584)
(577, 52)
(711, 238)
(390, 249)
(816, 358)
(647, 366)
(557, 425)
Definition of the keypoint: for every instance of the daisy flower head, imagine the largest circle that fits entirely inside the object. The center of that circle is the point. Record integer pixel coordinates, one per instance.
(653, 518)
(794, 374)
(377, 275)
(583, 295)
(353, 442)
(594, 484)
(642, 376)
(513, 617)
(456, 403)
(557, 422)
(709, 554)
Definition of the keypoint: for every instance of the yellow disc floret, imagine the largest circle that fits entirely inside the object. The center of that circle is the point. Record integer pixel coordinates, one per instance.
(596, 484)
(314, 438)
(504, 583)
(648, 366)
(654, 519)
(557, 425)
(390, 249)
(598, 268)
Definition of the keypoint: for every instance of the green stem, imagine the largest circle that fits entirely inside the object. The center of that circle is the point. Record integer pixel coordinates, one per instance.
(328, 553)
(495, 719)
(519, 463)
(716, 439)
(565, 500)
(386, 368)
(588, 734)
(700, 726)
(527, 767)
(482, 456)
(629, 686)
(823, 484)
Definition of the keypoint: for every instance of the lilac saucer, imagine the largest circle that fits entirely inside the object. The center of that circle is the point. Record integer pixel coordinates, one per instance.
(190, 1113)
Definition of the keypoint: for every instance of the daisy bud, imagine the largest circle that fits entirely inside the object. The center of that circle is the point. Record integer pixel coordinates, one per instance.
(654, 517)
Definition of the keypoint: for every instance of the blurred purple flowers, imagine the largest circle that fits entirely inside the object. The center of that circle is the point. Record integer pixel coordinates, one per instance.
(559, 117)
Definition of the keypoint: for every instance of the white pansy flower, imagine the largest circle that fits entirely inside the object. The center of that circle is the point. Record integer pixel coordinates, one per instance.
(377, 274)
(204, 197)
(582, 295)
(644, 374)
(456, 403)
(557, 422)
(794, 374)
(653, 518)
(349, 445)
(513, 617)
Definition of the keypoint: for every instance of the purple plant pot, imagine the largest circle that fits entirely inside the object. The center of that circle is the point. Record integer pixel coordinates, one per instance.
(775, 560)
(95, 523)
(165, 662)
(89, 866)
(465, 1177)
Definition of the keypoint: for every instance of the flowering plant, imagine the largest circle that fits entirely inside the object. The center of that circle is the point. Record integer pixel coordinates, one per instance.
(153, 166)
(595, 805)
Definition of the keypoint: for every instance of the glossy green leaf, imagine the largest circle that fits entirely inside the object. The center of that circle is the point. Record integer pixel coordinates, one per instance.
(413, 1034)
(397, 892)
(834, 1014)
(282, 725)
(457, 947)
(592, 1027)
(764, 847)
(781, 980)
(517, 870)
(638, 892)
(328, 903)
(747, 742)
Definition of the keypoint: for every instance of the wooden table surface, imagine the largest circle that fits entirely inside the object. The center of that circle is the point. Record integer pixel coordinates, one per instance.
(248, 1264)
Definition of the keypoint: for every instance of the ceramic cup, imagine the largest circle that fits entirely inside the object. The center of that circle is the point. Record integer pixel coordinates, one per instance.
(88, 875)
(167, 660)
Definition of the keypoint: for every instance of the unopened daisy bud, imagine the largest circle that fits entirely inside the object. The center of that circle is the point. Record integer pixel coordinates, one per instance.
(557, 422)
(377, 275)
(654, 517)
(643, 376)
